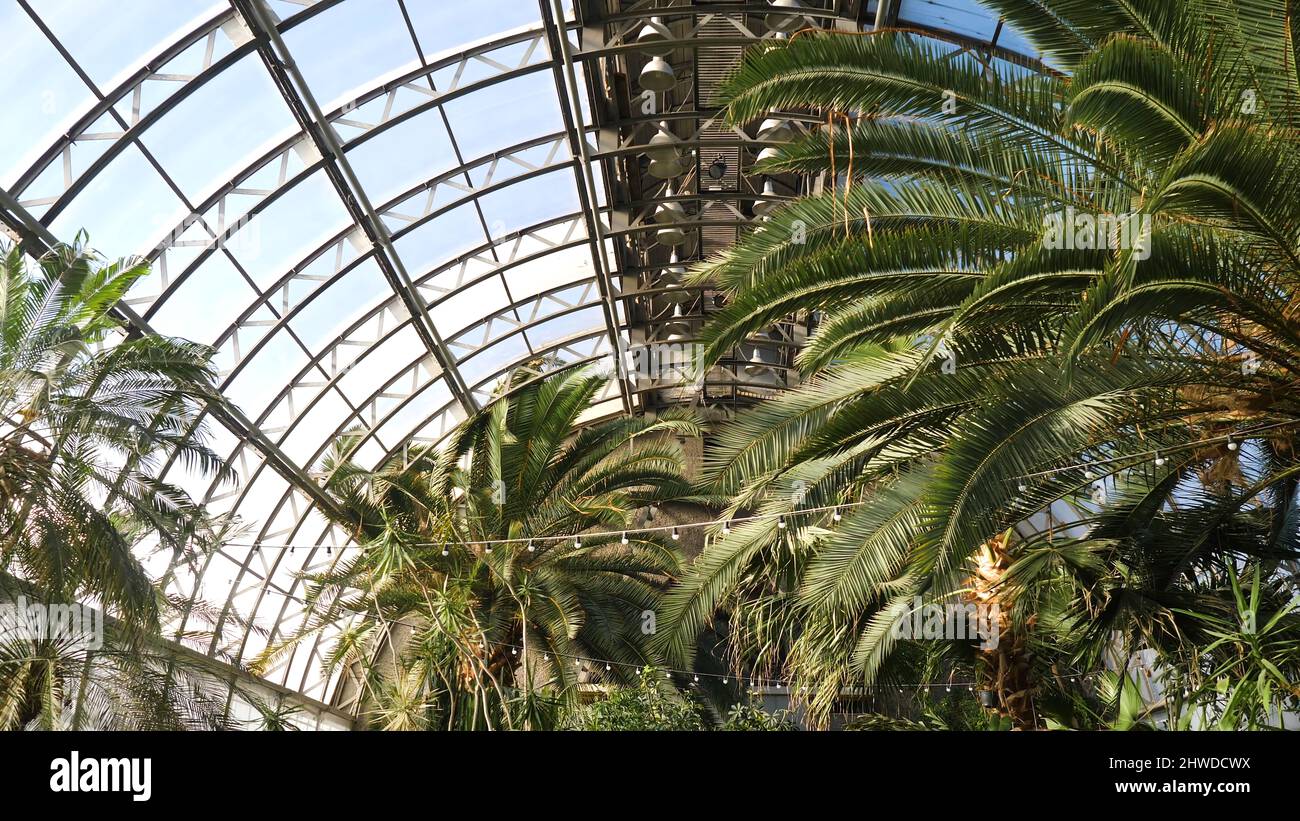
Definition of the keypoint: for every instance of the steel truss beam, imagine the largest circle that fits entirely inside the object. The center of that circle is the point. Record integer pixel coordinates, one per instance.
(279, 62)
(567, 88)
(350, 117)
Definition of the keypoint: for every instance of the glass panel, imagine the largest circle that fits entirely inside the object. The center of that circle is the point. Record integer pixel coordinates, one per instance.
(221, 128)
(126, 208)
(350, 46)
(445, 27)
(505, 114)
(36, 113)
(107, 43)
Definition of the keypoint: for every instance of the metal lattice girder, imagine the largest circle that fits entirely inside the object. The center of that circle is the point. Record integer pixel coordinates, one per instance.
(340, 254)
(305, 109)
(567, 88)
(392, 110)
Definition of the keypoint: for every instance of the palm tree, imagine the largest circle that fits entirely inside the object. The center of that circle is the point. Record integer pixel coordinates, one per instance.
(1062, 285)
(460, 632)
(86, 412)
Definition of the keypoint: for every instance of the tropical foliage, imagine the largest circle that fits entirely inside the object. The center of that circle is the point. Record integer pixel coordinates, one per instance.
(87, 414)
(455, 631)
(1055, 353)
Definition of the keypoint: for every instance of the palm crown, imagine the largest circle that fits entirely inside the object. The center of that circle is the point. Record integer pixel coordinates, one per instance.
(1041, 292)
(492, 631)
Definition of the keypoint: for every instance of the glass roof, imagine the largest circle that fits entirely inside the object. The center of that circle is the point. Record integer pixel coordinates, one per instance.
(372, 209)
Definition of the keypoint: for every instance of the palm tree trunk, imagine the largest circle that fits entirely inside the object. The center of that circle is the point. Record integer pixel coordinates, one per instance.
(1004, 667)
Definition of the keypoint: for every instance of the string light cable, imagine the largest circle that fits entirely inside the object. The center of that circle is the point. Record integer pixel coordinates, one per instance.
(1231, 439)
(620, 534)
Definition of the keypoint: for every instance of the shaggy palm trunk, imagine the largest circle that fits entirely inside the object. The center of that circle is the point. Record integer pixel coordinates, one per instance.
(1003, 667)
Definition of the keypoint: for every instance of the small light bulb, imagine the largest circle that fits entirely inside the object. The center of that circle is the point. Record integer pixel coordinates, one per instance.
(1024, 488)
(780, 522)
(1160, 461)
(1232, 445)
(530, 546)
(487, 548)
(676, 535)
(607, 668)
(446, 552)
(836, 516)
(624, 539)
(726, 528)
(514, 652)
(577, 541)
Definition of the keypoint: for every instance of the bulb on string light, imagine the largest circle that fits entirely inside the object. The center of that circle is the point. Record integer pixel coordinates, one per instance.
(607, 668)
(577, 541)
(1231, 444)
(780, 522)
(836, 516)
(530, 546)
(1023, 488)
(676, 535)
(514, 652)
(726, 528)
(487, 548)
(446, 552)
(624, 539)
(696, 679)
(1160, 461)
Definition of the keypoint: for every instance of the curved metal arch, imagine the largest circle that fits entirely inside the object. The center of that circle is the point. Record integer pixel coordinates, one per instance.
(133, 134)
(282, 150)
(297, 272)
(342, 338)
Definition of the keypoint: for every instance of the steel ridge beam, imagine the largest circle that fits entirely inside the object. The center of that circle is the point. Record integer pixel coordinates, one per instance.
(297, 94)
(566, 86)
